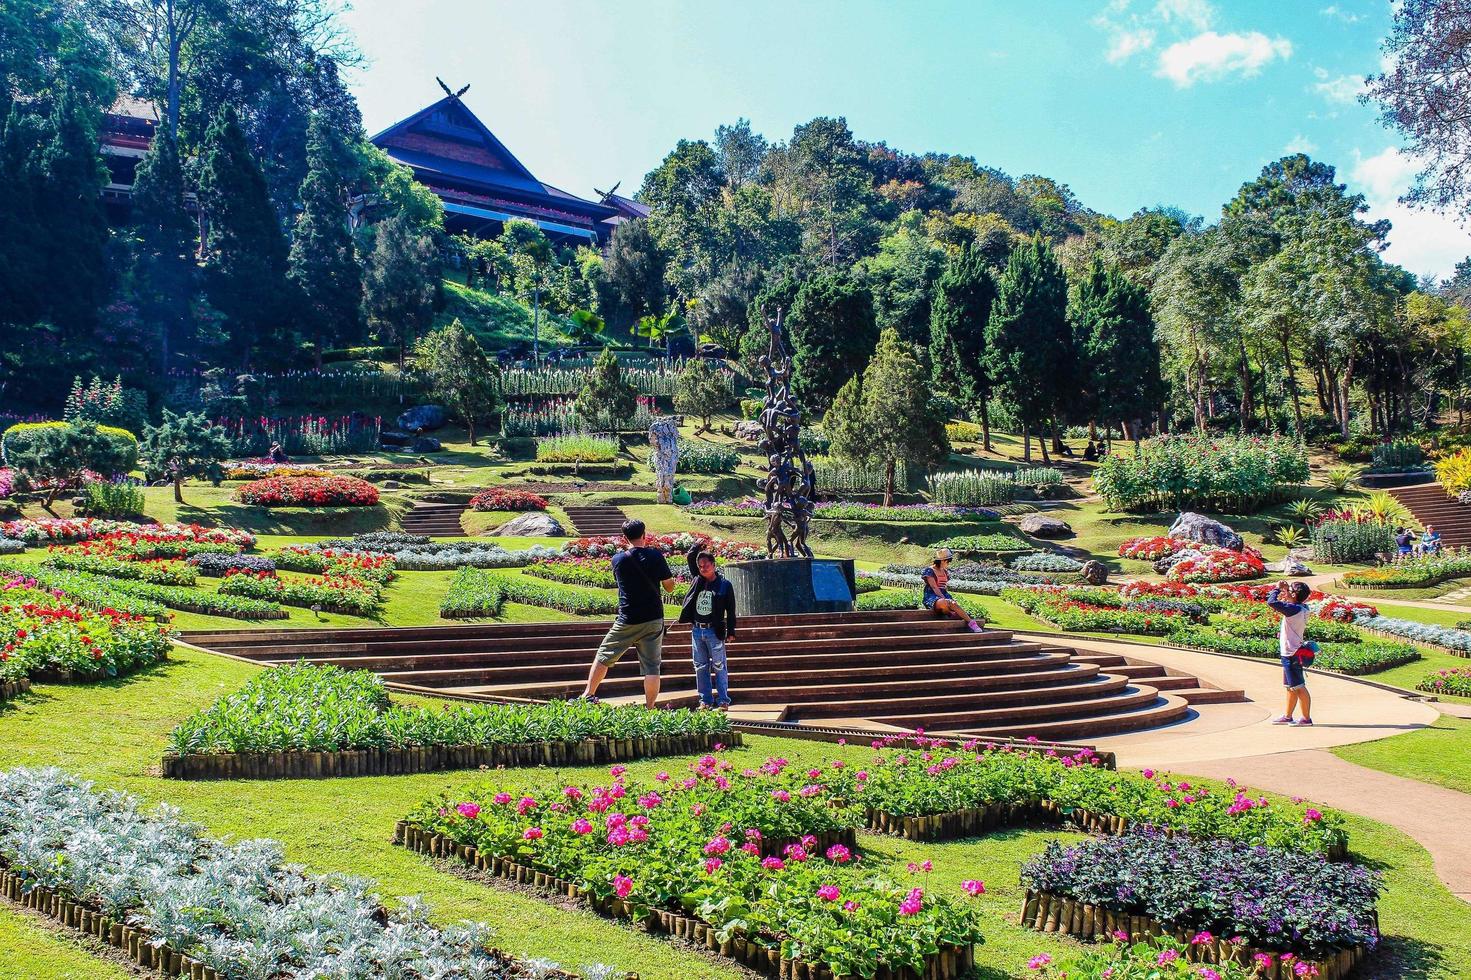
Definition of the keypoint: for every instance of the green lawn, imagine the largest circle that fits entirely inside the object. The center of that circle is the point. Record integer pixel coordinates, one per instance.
(115, 732)
(1440, 754)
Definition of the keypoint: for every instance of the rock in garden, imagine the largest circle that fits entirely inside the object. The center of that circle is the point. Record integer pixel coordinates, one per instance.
(1045, 526)
(389, 437)
(1288, 566)
(749, 431)
(1197, 527)
(426, 417)
(391, 484)
(1094, 572)
(1163, 565)
(530, 525)
(425, 444)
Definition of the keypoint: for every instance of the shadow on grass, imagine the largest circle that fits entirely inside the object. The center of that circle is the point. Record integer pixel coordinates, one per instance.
(1401, 956)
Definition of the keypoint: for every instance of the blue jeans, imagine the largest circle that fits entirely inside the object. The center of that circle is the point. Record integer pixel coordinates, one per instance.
(712, 679)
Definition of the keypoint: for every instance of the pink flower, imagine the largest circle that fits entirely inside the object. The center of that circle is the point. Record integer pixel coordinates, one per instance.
(617, 771)
(581, 826)
(780, 795)
(1149, 774)
(469, 810)
(650, 800)
(1304, 969)
(850, 906)
(839, 854)
(828, 893)
(526, 804)
(773, 863)
(750, 847)
(718, 845)
(531, 833)
(1120, 936)
(1039, 961)
(1201, 938)
(972, 887)
(1311, 816)
(622, 885)
(572, 793)
(913, 902)
(1166, 956)
(619, 836)
(712, 865)
(1206, 973)
(663, 777)
(501, 799)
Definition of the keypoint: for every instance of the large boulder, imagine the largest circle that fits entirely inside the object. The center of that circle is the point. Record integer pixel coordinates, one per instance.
(1163, 565)
(425, 417)
(1289, 566)
(1094, 572)
(530, 525)
(1045, 526)
(748, 430)
(1205, 530)
(425, 444)
(388, 437)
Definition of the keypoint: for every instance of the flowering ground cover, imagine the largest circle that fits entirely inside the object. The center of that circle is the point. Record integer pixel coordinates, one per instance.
(70, 530)
(308, 491)
(154, 571)
(591, 572)
(507, 498)
(1219, 565)
(1272, 898)
(1151, 547)
(1155, 958)
(215, 566)
(473, 594)
(43, 634)
(330, 593)
(852, 510)
(329, 561)
(980, 544)
(890, 599)
(670, 544)
(470, 583)
(239, 909)
(694, 844)
(1363, 657)
(1412, 571)
(145, 599)
(1451, 680)
(417, 553)
(1046, 561)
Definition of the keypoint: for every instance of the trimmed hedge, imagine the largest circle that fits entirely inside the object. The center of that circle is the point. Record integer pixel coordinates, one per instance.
(124, 444)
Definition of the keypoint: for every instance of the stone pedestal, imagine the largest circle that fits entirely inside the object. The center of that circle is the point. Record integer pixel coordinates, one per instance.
(787, 586)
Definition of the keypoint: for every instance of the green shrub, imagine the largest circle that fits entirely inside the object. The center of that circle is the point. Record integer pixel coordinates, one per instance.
(473, 594)
(119, 455)
(1346, 541)
(576, 449)
(1230, 474)
(704, 457)
(1397, 457)
(975, 488)
(751, 408)
(962, 432)
(984, 543)
(113, 500)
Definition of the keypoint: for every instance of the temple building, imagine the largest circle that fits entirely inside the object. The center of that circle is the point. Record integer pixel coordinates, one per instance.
(482, 184)
(123, 137)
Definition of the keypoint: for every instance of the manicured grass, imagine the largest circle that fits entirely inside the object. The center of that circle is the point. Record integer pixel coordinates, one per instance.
(1439, 754)
(114, 732)
(31, 949)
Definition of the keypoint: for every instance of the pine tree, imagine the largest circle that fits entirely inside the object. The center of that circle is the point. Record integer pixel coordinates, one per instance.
(324, 266)
(890, 417)
(700, 391)
(459, 374)
(1028, 340)
(183, 446)
(1113, 332)
(958, 314)
(164, 272)
(606, 401)
(74, 246)
(244, 249)
(398, 283)
(833, 332)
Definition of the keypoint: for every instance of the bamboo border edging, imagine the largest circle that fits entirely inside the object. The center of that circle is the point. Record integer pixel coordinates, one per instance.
(1045, 911)
(9, 689)
(949, 963)
(1463, 654)
(978, 820)
(408, 761)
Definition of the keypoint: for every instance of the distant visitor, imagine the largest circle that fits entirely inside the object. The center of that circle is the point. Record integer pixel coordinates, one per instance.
(1297, 654)
(937, 599)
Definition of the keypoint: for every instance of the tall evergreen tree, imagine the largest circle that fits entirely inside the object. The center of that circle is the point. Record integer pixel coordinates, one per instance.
(244, 250)
(398, 283)
(164, 271)
(1113, 332)
(832, 332)
(323, 264)
(74, 247)
(460, 374)
(1028, 342)
(959, 311)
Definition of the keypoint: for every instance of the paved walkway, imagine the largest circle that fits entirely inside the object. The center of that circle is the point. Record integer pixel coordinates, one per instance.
(1239, 741)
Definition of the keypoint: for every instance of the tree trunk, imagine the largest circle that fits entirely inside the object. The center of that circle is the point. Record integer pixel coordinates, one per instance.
(1042, 441)
(889, 468)
(1292, 384)
(1345, 386)
(470, 424)
(1026, 445)
(178, 489)
(1243, 370)
(985, 427)
(1092, 430)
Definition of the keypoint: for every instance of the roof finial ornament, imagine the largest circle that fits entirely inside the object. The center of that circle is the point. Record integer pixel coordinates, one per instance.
(453, 95)
(604, 195)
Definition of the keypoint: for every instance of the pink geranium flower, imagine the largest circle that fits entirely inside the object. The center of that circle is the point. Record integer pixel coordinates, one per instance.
(972, 887)
(531, 833)
(828, 893)
(622, 885)
(469, 810)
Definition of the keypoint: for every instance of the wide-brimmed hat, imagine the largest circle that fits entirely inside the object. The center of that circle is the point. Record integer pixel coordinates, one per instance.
(944, 555)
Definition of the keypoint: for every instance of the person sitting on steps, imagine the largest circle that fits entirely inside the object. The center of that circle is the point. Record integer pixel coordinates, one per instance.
(640, 571)
(710, 610)
(936, 598)
(1429, 541)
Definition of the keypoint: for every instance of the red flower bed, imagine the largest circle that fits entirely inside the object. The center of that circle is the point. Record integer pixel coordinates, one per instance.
(669, 544)
(1219, 565)
(1345, 610)
(1158, 590)
(308, 491)
(505, 498)
(1151, 548)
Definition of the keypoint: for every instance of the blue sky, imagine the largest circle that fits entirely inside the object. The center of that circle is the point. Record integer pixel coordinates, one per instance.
(1130, 102)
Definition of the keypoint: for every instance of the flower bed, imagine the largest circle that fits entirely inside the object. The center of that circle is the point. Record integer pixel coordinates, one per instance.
(1346, 537)
(473, 594)
(852, 510)
(306, 720)
(1344, 610)
(1046, 561)
(43, 635)
(1219, 565)
(417, 553)
(703, 457)
(1452, 680)
(68, 530)
(594, 573)
(216, 566)
(1228, 474)
(1146, 952)
(329, 593)
(576, 449)
(1151, 547)
(685, 856)
(670, 544)
(152, 571)
(894, 599)
(940, 791)
(507, 498)
(329, 561)
(307, 491)
(1082, 617)
(1413, 572)
(143, 599)
(1451, 640)
(989, 488)
(549, 595)
(983, 544)
(1268, 626)
(1365, 657)
(1273, 899)
(251, 470)
(148, 882)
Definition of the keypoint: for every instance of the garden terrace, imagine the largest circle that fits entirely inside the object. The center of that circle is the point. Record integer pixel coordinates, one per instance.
(595, 521)
(895, 670)
(1428, 503)
(434, 520)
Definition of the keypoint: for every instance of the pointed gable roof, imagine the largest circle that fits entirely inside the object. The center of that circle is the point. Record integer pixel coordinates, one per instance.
(448, 128)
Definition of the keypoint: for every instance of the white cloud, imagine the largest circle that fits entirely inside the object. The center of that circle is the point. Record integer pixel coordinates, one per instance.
(1300, 144)
(1198, 14)
(1425, 242)
(1209, 56)
(1338, 13)
(1125, 44)
(1344, 88)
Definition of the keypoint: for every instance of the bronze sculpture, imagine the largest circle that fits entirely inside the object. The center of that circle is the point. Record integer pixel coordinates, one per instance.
(791, 483)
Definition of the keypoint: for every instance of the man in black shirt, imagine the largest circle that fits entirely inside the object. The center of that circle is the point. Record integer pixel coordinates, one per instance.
(710, 610)
(640, 572)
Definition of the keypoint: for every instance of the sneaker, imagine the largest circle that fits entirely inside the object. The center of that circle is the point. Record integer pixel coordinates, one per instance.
(1302, 723)
(1284, 720)
(975, 627)
(722, 707)
(589, 698)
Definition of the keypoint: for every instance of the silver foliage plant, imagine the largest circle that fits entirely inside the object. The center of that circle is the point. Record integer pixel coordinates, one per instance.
(239, 908)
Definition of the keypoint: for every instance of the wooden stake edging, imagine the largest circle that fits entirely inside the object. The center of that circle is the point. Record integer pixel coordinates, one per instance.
(435, 758)
(1051, 912)
(9, 689)
(975, 821)
(948, 964)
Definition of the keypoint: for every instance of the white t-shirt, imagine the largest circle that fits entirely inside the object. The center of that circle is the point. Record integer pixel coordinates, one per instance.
(1293, 628)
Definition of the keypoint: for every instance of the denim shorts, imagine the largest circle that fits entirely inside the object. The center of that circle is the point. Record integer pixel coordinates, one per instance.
(1292, 673)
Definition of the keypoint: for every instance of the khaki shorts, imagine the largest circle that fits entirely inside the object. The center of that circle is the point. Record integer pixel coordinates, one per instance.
(648, 637)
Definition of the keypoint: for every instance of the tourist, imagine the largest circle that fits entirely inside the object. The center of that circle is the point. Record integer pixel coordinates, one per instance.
(1429, 541)
(1290, 646)
(936, 598)
(278, 455)
(1091, 453)
(1404, 541)
(640, 571)
(710, 610)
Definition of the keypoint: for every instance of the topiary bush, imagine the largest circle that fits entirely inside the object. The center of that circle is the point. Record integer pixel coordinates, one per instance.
(119, 453)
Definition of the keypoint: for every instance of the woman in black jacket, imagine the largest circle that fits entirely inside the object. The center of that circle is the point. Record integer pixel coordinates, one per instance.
(710, 610)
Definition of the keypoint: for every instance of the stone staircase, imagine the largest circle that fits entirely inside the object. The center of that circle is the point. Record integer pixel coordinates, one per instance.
(596, 520)
(1430, 505)
(435, 520)
(879, 671)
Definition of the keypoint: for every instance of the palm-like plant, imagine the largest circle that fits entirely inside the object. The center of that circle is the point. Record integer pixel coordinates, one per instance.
(659, 328)
(1339, 477)
(585, 325)
(1291, 535)
(1382, 507)
(1303, 510)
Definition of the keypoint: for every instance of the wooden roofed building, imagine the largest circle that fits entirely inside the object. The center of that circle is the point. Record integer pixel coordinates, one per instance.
(479, 180)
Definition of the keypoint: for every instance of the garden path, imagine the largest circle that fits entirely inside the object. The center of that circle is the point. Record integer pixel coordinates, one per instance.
(1432, 815)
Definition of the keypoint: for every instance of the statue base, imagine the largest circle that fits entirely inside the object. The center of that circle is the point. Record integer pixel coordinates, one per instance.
(791, 586)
